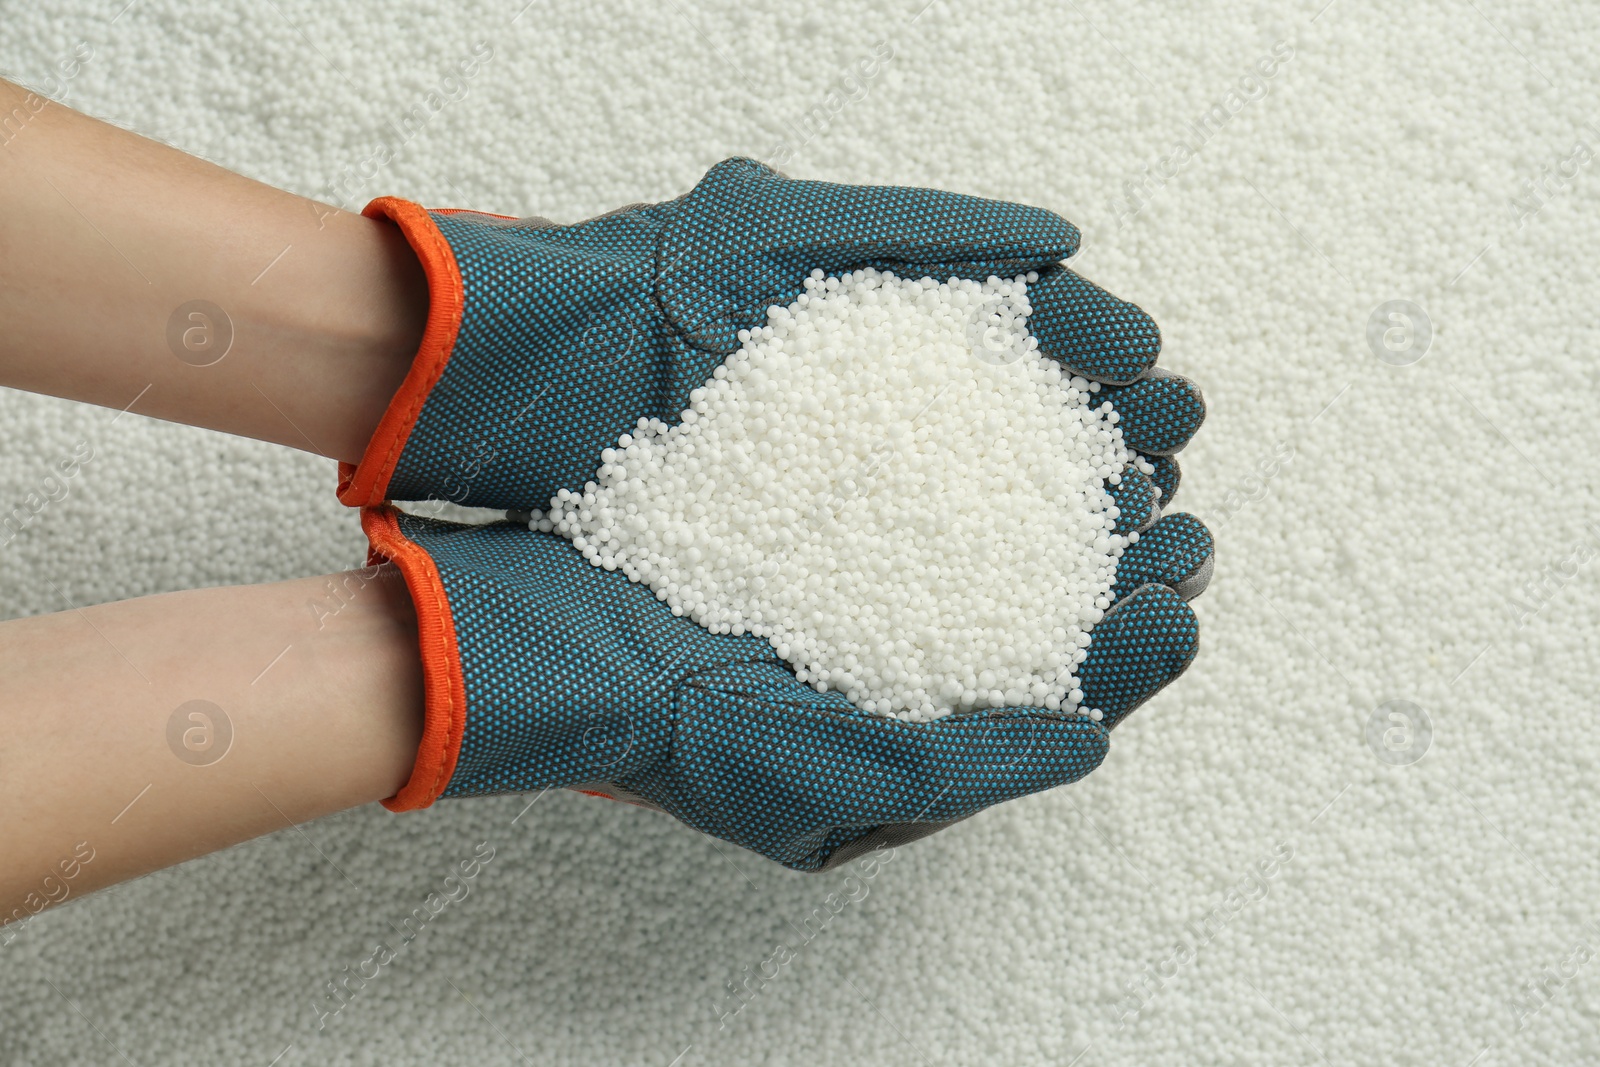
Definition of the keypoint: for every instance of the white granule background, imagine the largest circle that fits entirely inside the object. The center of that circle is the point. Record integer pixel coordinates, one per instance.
(1244, 880)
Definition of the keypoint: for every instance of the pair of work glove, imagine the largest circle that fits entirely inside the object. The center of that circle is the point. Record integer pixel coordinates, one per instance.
(544, 343)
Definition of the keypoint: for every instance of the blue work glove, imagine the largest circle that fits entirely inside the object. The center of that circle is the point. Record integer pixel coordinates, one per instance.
(545, 342)
(542, 670)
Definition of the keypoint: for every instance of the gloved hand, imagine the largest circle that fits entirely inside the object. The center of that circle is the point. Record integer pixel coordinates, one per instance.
(542, 670)
(545, 343)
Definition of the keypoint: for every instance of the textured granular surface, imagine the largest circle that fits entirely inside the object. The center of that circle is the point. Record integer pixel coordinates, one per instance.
(893, 485)
(1369, 230)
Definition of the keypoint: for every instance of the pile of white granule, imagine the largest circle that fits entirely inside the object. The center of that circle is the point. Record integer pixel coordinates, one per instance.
(889, 482)
(1268, 868)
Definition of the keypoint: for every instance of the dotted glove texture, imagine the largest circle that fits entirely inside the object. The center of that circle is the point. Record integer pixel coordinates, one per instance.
(543, 670)
(546, 342)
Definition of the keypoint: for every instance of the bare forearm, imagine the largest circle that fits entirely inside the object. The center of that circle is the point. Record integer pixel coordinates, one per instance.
(108, 240)
(144, 733)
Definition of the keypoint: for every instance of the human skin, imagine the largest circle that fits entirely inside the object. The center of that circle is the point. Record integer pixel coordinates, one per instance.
(103, 236)
(307, 712)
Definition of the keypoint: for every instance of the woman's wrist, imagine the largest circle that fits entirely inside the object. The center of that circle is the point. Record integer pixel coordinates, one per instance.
(158, 729)
(134, 274)
(341, 330)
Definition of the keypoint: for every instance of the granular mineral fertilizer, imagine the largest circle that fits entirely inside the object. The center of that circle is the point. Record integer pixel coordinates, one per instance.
(892, 484)
(1264, 179)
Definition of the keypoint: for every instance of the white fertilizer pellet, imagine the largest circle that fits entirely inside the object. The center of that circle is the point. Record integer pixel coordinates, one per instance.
(1262, 209)
(889, 482)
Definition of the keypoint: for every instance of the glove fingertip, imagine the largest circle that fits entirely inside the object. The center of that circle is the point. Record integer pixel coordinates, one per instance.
(1166, 476)
(1143, 643)
(1093, 333)
(1177, 552)
(1138, 507)
(1159, 413)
